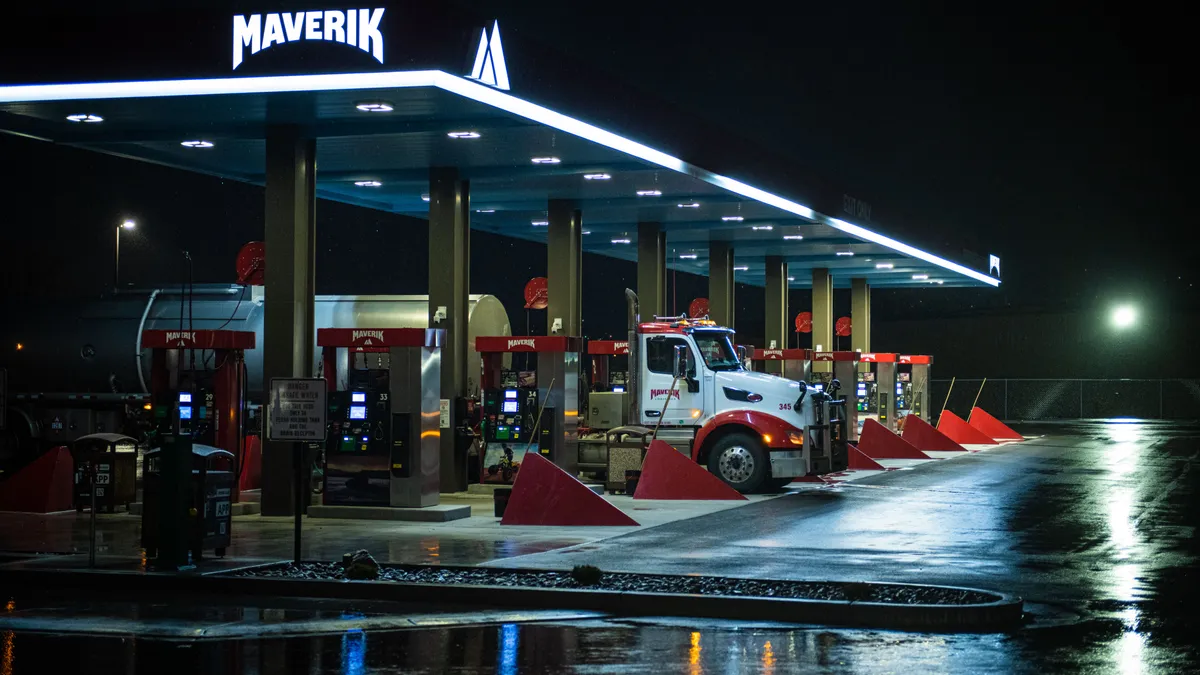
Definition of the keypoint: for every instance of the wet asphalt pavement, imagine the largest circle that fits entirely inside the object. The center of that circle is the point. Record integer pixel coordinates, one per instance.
(1094, 525)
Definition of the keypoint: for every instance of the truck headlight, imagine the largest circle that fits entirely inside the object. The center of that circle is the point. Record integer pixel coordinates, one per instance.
(796, 437)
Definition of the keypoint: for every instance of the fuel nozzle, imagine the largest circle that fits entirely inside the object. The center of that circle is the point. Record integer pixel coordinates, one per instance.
(834, 387)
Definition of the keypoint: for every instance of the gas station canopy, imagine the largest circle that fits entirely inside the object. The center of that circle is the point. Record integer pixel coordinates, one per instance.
(379, 132)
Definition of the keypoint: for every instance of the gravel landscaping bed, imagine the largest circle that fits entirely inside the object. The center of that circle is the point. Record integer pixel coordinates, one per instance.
(644, 583)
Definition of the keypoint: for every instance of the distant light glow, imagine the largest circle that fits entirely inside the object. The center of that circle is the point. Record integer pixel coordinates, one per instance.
(733, 219)
(846, 254)
(197, 144)
(688, 256)
(463, 134)
(649, 193)
(689, 205)
(85, 118)
(540, 223)
(741, 268)
(367, 183)
(1124, 316)
(596, 176)
(793, 237)
(884, 266)
(545, 160)
(128, 224)
(762, 227)
(920, 277)
(375, 106)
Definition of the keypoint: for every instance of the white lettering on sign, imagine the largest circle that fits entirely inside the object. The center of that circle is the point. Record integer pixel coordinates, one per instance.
(181, 336)
(769, 353)
(525, 342)
(655, 393)
(856, 207)
(621, 347)
(352, 27)
(297, 410)
(357, 335)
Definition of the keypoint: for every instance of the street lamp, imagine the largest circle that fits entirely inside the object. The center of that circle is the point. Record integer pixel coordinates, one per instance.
(1124, 317)
(127, 225)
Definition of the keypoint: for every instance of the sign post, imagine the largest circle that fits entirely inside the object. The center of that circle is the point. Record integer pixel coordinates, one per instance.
(297, 414)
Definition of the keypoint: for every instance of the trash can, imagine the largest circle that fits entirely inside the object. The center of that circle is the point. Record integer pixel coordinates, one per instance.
(500, 500)
(209, 519)
(113, 460)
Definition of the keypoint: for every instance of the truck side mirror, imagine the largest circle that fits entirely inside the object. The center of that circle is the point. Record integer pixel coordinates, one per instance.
(680, 369)
(743, 354)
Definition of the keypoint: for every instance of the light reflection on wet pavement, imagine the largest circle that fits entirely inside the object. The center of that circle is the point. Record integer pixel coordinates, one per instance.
(1094, 525)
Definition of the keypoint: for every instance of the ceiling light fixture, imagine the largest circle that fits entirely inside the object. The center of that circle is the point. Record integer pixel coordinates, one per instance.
(741, 268)
(791, 278)
(733, 219)
(687, 256)
(884, 266)
(689, 205)
(545, 160)
(463, 134)
(367, 183)
(375, 106)
(920, 277)
(793, 237)
(846, 254)
(197, 144)
(84, 118)
(762, 227)
(936, 281)
(587, 231)
(620, 241)
(649, 193)
(485, 210)
(425, 197)
(596, 176)
(540, 223)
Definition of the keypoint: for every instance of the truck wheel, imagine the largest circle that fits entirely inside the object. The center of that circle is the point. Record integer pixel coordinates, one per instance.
(740, 461)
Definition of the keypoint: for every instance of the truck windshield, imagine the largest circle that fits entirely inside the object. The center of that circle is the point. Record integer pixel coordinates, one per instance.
(717, 350)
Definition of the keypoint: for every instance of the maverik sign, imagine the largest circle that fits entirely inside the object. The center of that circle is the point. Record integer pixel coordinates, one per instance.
(351, 27)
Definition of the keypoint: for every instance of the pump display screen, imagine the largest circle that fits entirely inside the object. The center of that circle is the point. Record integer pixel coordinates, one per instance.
(358, 412)
(904, 377)
(510, 395)
(185, 397)
(509, 407)
(618, 390)
(185, 412)
(358, 397)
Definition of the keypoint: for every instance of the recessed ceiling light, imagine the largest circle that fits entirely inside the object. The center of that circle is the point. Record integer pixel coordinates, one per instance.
(649, 193)
(485, 210)
(463, 134)
(425, 197)
(689, 205)
(84, 118)
(791, 278)
(884, 266)
(741, 268)
(596, 176)
(762, 227)
(793, 237)
(367, 183)
(936, 281)
(620, 241)
(687, 256)
(197, 144)
(587, 231)
(846, 254)
(920, 277)
(545, 160)
(540, 223)
(735, 219)
(375, 106)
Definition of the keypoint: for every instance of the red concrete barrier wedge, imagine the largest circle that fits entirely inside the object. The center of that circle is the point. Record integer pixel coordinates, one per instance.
(859, 461)
(669, 474)
(877, 442)
(923, 436)
(544, 494)
(957, 429)
(992, 427)
(42, 486)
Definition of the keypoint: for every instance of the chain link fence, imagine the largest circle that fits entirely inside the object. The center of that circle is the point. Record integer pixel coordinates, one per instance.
(1021, 399)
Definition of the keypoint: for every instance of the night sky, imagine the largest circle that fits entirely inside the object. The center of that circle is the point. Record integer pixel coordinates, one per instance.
(1055, 137)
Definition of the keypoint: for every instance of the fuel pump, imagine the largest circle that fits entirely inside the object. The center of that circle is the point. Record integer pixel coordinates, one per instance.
(608, 401)
(912, 380)
(523, 415)
(877, 379)
(382, 447)
(841, 367)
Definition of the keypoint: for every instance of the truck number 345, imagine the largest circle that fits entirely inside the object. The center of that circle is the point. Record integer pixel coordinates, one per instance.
(785, 406)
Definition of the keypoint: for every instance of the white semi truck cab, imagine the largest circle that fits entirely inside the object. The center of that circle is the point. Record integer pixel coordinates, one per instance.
(754, 431)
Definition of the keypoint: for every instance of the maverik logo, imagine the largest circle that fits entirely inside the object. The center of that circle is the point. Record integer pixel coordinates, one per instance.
(356, 335)
(773, 352)
(353, 27)
(490, 67)
(655, 393)
(527, 342)
(621, 347)
(181, 336)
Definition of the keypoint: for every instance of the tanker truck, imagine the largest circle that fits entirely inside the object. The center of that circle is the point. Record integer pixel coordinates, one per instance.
(753, 430)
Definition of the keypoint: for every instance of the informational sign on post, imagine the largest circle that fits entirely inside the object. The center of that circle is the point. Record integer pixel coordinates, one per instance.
(297, 409)
(445, 413)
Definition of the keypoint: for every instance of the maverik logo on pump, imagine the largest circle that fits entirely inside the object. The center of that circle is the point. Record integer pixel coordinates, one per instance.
(366, 335)
(182, 337)
(351, 27)
(526, 342)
